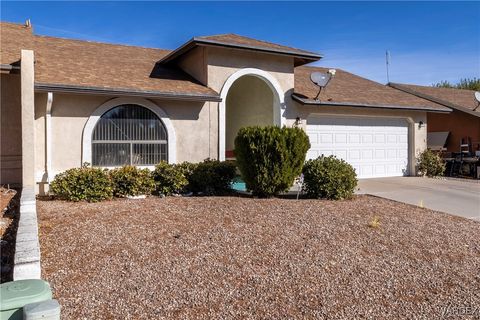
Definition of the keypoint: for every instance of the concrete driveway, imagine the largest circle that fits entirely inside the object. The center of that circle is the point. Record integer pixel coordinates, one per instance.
(454, 196)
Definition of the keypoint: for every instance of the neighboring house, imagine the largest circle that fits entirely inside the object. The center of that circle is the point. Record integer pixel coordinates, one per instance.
(463, 122)
(66, 102)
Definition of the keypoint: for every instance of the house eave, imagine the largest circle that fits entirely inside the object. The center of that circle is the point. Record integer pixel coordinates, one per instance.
(433, 99)
(313, 102)
(304, 57)
(46, 87)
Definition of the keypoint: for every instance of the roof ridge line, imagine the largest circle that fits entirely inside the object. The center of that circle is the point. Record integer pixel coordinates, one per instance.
(99, 42)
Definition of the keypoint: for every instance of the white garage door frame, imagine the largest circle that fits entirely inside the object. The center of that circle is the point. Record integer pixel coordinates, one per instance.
(409, 120)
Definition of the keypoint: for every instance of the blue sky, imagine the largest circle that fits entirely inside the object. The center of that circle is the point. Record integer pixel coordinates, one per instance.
(428, 41)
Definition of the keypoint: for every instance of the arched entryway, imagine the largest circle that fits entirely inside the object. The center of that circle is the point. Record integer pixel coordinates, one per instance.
(249, 97)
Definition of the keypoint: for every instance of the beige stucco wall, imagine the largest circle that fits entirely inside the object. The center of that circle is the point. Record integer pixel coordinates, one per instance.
(249, 103)
(195, 125)
(195, 64)
(10, 130)
(27, 79)
(417, 134)
(222, 63)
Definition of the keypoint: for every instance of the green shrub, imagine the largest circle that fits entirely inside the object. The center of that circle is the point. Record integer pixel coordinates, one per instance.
(270, 158)
(187, 168)
(85, 183)
(131, 181)
(430, 163)
(170, 178)
(212, 177)
(329, 177)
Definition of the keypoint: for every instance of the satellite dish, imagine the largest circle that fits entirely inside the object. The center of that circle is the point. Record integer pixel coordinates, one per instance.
(477, 96)
(321, 79)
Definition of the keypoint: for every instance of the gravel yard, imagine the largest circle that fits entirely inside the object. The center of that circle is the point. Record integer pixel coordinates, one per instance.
(232, 257)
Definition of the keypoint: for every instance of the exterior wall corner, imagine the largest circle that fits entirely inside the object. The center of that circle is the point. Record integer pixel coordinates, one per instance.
(28, 118)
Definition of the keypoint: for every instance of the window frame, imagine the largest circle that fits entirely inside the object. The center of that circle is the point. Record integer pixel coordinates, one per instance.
(130, 142)
(115, 102)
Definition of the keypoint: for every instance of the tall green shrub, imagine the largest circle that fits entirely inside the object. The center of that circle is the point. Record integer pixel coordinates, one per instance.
(212, 177)
(85, 183)
(270, 158)
(329, 177)
(131, 181)
(430, 163)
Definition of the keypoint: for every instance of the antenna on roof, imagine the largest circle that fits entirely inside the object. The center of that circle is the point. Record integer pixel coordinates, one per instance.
(477, 96)
(321, 79)
(28, 23)
(387, 63)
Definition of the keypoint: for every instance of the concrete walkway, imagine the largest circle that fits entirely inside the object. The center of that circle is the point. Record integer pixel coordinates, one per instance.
(454, 196)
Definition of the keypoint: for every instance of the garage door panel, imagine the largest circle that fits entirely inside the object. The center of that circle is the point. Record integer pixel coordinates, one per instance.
(326, 138)
(341, 138)
(354, 154)
(379, 154)
(380, 169)
(367, 138)
(374, 147)
(354, 138)
(391, 138)
(342, 154)
(313, 154)
(380, 138)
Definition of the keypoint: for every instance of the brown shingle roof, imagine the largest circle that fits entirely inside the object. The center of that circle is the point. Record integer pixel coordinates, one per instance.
(460, 99)
(349, 89)
(240, 42)
(14, 38)
(65, 63)
(235, 39)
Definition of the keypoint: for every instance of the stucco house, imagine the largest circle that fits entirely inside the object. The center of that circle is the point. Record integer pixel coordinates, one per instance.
(66, 102)
(462, 123)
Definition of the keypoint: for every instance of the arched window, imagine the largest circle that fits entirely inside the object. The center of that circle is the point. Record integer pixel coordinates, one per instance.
(129, 134)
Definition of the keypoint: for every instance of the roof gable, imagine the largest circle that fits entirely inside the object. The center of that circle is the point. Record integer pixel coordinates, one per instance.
(244, 43)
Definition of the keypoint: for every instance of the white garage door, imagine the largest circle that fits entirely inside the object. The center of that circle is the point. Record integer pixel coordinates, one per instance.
(375, 147)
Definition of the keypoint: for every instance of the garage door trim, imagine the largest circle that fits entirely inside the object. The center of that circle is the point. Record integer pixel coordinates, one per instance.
(410, 126)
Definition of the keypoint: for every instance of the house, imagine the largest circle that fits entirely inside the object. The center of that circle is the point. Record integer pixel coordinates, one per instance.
(66, 102)
(462, 123)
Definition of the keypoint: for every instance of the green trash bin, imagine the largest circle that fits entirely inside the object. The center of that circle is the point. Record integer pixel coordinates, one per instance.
(15, 294)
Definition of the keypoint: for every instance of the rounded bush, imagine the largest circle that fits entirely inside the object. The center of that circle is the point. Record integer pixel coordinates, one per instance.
(131, 181)
(270, 158)
(169, 178)
(85, 183)
(430, 163)
(187, 168)
(329, 177)
(212, 177)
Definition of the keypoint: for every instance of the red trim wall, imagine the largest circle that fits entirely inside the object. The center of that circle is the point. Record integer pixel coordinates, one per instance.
(459, 124)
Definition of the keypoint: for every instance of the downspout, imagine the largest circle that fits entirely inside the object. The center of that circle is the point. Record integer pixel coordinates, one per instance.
(48, 137)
